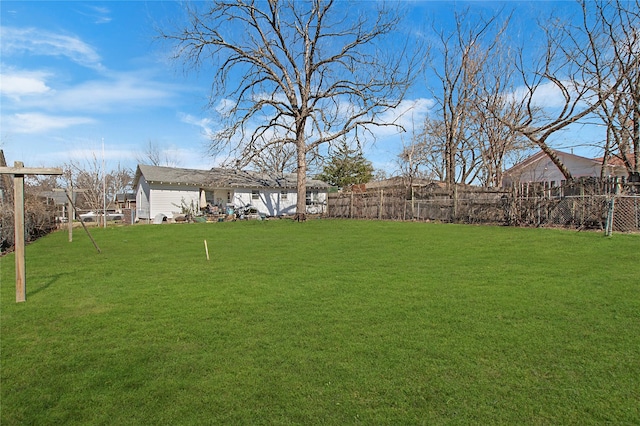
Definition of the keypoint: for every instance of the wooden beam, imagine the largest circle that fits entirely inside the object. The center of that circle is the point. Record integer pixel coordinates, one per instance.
(30, 171)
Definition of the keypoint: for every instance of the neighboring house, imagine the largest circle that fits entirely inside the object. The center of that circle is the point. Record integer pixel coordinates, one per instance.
(540, 168)
(125, 200)
(58, 198)
(167, 190)
(616, 160)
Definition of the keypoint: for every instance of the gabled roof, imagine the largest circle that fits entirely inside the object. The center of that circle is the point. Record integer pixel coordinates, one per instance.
(219, 178)
(616, 160)
(127, 196)
(58, 196)
(540, 155)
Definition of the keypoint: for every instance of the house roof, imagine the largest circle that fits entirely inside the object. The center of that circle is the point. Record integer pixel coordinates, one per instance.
(59, 196)
(540, 155)
(219, 178)
(616, 160)
(127, 196)
(401, 182)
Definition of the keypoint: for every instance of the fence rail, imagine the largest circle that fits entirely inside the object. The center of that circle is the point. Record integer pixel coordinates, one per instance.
(615, 212)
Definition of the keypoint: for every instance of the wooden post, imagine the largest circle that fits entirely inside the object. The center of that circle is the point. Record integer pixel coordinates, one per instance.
(351, 205)
(70, 211)
(18, 218)
(18, 172)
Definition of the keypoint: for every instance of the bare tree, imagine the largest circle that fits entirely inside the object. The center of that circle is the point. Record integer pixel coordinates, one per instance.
(614, 45)
(119, 180)
(465, 53)
(575, 65)
(496, 142)
(293, 72)
(278, 159)
(155, 155)
(98, 186)
(39, 214)
(425, 155)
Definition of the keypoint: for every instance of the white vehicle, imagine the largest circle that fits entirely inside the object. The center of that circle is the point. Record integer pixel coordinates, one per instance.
(93, 216)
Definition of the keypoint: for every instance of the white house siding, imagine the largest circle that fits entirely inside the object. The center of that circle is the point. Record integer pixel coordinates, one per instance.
(269, 202)
(317, 201)
(273, 203)
(167, 199)
(142, 200)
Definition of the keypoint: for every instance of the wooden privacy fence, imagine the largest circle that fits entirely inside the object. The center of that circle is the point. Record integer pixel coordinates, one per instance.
(584, 209)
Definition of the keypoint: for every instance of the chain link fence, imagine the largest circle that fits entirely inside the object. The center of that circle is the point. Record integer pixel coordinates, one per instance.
(574, 207)
(625, 214)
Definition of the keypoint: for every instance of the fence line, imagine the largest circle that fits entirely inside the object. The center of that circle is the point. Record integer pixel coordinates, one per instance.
(506, 207)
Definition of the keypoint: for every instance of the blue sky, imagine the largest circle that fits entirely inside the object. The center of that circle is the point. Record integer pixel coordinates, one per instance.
(77, 75)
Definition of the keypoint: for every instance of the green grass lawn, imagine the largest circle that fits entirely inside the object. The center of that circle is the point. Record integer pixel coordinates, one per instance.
(325, 322)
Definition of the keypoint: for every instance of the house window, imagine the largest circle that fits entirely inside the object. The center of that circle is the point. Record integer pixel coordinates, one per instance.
(284, 195)
(312, 197)
(228, 196)
(255, 194)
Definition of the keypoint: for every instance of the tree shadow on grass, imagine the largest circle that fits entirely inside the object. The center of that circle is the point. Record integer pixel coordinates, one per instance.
(34, 289)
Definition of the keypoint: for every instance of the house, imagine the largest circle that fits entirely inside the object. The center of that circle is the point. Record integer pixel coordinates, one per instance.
(126, 200)
(169, 191)
(617, 161)
(539, 168)
(58, 198)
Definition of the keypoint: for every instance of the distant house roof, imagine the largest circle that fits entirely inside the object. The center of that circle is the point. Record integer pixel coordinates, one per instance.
(219, 178)
(123, 197)
(541, 156)
(401, 182)
(540, 168)
(616, 160)
(58, 196)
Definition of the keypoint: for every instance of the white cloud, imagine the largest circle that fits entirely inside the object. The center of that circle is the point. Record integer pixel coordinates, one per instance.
(17, 85)
(546, 95)
(205, 124)
(408, 111)
(100, 15)
(224, 106)
(40, 123)
(121, 91)
(45, 43)
(409, 114)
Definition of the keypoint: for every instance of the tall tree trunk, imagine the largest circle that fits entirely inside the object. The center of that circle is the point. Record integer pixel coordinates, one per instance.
(301, 178)
(635, 174)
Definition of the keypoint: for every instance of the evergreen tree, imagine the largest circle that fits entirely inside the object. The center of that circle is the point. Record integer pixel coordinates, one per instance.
(346, 167)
